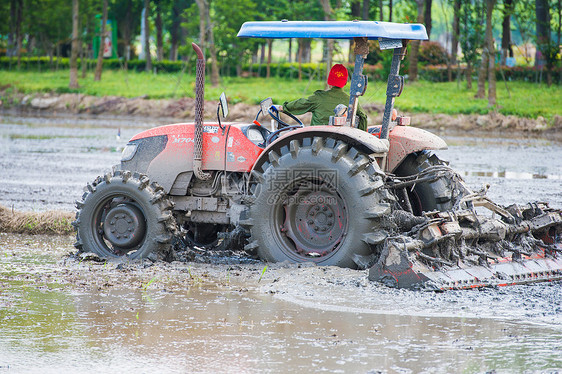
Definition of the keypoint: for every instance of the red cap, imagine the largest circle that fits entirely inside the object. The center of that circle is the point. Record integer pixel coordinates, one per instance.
(337, 76)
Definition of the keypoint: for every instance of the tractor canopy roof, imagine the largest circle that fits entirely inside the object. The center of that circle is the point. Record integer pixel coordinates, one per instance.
(332, 30)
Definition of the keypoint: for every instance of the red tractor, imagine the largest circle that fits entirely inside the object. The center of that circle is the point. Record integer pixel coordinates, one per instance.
(332, 195)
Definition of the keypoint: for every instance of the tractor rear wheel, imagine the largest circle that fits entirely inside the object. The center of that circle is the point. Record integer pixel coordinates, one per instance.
(428, 196)
(124, 215)
(317, 200)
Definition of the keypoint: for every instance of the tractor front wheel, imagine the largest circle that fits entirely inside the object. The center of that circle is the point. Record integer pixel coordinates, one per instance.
(124, 215)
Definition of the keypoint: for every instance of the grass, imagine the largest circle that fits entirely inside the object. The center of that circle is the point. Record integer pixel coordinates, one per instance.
(527, 99)
(52, 222)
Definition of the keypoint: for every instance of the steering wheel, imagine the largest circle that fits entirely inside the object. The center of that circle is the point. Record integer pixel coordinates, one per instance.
(274, 113)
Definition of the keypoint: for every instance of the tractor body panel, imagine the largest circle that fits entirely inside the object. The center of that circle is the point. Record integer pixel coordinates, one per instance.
(405, 140)
(226, 149)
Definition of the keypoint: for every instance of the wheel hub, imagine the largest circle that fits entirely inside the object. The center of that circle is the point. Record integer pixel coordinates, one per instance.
(315, 221)
(124, 226)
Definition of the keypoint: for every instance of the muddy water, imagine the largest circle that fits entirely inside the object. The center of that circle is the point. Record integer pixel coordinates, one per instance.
(45, 162)
(59, 314)
(62, 315)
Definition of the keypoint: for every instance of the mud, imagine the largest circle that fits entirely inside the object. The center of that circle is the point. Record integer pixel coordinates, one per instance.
(175, 110)
(59, 312)
(62, 313)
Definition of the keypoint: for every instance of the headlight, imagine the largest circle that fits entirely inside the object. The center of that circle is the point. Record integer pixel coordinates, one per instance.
(129, 151)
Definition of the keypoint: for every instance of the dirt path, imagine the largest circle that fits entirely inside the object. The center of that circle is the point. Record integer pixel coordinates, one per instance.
(176, 110)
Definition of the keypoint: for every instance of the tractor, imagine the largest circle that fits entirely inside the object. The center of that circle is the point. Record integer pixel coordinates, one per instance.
(330, 194)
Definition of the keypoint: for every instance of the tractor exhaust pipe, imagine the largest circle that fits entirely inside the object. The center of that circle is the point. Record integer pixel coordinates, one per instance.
(199, 106)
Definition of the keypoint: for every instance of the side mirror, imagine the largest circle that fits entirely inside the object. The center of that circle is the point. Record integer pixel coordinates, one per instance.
(223, 103)
(265, 105)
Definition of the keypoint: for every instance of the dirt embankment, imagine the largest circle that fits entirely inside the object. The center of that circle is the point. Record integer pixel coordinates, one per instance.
(183, 110)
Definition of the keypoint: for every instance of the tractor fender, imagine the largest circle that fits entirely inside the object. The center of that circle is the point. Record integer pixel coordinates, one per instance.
(361, 140)
(405, 140)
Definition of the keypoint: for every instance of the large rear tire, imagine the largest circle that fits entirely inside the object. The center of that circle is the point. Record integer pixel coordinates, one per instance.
(440, 194)
(124, 215)
(317, 200)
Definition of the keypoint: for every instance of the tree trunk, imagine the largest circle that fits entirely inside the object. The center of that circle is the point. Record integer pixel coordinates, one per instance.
(159, 37)
(491, 53)
(158, 25)
(99, 63)
(356, 11)
(19, 34)
(84, 49)
(543, 37)
(11, 51)
(427, 17)
(300, 59)
(365, 11)
(481, 92)
(456, 30)
(414, 51)
(306, 55)
(175, 31)
(468, 76)
(74, 53)
(381, 13)
(506, 30)
(213, 51)
(328, 12)
(389, 10)
(146, 41)
(268, 68)
(559, 29)
(329, 55)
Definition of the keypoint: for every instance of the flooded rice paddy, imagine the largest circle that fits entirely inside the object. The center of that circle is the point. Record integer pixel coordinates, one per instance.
(59, 313)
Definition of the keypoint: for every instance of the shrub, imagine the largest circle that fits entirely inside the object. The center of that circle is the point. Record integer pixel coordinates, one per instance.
(432, 53)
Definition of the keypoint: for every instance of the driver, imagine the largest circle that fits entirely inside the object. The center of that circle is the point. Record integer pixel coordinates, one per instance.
(323, 102)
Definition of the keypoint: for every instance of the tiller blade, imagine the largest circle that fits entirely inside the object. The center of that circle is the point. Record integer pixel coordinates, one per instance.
(462, 249)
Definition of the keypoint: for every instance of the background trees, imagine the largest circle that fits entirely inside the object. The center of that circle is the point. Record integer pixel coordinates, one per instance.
(527, 28)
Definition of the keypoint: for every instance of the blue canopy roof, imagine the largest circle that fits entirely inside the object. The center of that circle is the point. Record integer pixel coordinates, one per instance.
(332, 30)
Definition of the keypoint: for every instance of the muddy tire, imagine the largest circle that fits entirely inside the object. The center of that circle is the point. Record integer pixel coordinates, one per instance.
(316, 200)
(429, 196)
(124, 215)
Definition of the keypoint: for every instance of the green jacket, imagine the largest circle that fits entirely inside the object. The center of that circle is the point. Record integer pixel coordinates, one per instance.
(322, 105)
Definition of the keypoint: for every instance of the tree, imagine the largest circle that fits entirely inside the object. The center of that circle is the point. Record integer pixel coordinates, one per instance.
(491, 51)
(415, 45)
(128, 17)
(328, 14)
(506, 31)
(158, 26)
(176, 30)
(75, 45)
(471, 32)
(146, 41)
(456, 30)
(427, 17)
(545, 50)
(99, 64)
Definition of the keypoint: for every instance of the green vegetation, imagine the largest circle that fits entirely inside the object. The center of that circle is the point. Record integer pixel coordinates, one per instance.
(527, 99)
(53, 223)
